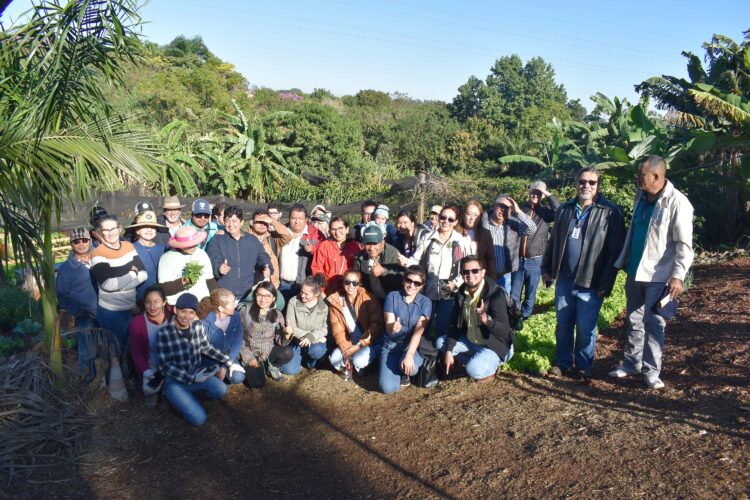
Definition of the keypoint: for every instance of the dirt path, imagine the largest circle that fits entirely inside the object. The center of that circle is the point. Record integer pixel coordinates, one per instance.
(519, 436)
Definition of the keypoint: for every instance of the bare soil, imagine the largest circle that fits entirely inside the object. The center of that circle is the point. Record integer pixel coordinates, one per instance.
(519, 436)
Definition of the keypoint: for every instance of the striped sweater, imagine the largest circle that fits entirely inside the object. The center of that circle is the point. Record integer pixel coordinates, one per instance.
(113, 272)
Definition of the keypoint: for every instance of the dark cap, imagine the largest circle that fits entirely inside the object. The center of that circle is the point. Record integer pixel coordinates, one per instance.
(143, 206)
(201, 206)
(187, 301)
(372, 234)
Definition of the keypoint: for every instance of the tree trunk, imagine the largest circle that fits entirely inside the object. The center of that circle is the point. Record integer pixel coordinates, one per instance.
(49, 297)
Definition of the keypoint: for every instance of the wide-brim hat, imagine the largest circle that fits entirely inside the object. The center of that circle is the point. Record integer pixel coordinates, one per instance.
(172, 203)
(187, 237)
(146, 219)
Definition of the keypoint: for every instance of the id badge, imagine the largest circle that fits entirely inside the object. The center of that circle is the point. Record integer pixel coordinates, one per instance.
(576, 233)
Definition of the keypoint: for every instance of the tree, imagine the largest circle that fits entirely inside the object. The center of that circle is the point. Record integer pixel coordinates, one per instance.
(57, 135)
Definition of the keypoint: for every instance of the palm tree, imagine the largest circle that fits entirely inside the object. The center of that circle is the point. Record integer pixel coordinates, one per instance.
(58, 137)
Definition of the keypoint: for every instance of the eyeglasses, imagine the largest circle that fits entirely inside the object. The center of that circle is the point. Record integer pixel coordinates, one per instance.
(351, 283)
(409, 281)
(449, 219)
(583, 182)
(273, 213)
(201, 216)
(264, 296)
(466, 272)
(116, 228)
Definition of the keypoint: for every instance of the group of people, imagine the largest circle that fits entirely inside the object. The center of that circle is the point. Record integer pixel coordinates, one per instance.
(201, 303)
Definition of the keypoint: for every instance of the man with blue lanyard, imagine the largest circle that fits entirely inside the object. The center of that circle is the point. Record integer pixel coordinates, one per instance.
(657, 255)
(585, 242)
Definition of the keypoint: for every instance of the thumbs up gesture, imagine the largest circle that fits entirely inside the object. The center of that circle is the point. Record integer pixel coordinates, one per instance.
(397, 325)
(482, 312)
(224, 268)
(266, 272)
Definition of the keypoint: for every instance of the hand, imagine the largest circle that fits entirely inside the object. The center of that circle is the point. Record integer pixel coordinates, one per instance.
(396, 328)
(289, 330)
(482, 313)
(451, 285)
(134, 269)
(264, 218)
(266, 272)
(601, 294)
(407, 365)
(377, 270)
(224, 268)
(304, 342)
(448, 360)
(203, 374)
(351, 351)
(402, 261)
(544, 192)
(547, 279)
(515, 208)
(221, 373)
(252, 364)
(675, 287)
(237, 368)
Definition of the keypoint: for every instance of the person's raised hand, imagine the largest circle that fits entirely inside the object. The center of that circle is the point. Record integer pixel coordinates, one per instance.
(224, 268)
(482, 312)
(448, 360)
(397, 325)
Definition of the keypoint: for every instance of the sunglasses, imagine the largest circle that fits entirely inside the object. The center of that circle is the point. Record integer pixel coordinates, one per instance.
(504, 208)
(449, 219)
(409, 281)
(467, 272)
(351, 283)
(79, 241)
(201, 216)
(583, 182)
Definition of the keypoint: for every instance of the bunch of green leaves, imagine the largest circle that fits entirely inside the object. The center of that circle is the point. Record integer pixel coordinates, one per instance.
(192, 273)
(16, 306)
(9, 345)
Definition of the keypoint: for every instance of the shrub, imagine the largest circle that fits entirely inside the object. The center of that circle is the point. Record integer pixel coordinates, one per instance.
(15, 306)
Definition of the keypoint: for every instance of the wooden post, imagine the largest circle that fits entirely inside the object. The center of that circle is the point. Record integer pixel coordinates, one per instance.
(422, 177)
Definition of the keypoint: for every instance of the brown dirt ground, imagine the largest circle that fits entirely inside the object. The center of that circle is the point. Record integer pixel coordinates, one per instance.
(519, 436)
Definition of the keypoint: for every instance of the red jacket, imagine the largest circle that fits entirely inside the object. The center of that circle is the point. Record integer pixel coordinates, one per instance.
(333, 261)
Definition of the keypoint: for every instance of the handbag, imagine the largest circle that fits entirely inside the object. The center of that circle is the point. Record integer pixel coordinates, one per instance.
(255, 378)
(427, 374)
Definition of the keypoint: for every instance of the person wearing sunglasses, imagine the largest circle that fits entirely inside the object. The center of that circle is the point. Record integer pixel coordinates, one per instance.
(439, 255)
(507, 225)
(479, 334)
(356, 320)
(200, 218)
(479, 238)
(586, 240)
(407, 314)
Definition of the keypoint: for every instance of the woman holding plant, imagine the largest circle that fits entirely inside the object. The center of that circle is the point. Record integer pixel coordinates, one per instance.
(188, 268)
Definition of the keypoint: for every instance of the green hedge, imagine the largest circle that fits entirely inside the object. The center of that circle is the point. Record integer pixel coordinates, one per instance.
(535, 344)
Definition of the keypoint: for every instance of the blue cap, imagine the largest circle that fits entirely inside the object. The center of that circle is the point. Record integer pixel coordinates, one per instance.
(201, 206)
(187, 301)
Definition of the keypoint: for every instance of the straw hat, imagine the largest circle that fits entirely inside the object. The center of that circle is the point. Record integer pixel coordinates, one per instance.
(146, 219)
(187, 237)
(172, 203)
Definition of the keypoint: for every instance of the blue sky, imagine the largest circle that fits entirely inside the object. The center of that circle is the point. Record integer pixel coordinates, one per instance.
(427, 49)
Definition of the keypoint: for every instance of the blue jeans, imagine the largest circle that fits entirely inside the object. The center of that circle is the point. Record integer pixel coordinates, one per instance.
(645, 328)
(576, 307)
(528, 275)
(391, 355)
(363, 358)
(182, 397)
(310, 355)
(504, 281)
(480, 361)
(86, 348)
(117, 322)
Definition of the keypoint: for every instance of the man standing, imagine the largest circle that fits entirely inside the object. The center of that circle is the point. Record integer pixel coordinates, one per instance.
(379, 264)
(432, 219)
(201, 220)
(657, 254)
(295, 256)
(586, 240)
(76, 295)
(275, 210)
(479, 334)
(172, 217)
(335, 255)
(368, 209)
(237, 255)
(507, 225)
(532, 246)
(273, 235)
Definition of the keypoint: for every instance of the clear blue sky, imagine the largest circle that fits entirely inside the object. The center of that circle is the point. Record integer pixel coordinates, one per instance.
(427, 48)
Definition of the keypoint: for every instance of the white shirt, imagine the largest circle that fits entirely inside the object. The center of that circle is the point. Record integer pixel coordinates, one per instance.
(172, 264)
(288, 258)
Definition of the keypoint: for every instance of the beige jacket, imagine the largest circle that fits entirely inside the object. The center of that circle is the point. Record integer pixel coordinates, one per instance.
(282, 235)
(669, 242)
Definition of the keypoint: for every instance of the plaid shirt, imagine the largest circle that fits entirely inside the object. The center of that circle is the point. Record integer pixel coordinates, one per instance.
(499, 234)
(179, 351)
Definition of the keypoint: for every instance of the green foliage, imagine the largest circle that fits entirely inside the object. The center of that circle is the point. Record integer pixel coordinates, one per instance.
(10, 345)
(16, 306)
(192, 273)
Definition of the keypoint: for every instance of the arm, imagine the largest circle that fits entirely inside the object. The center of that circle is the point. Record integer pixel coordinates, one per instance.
(263, 259)
(526, 225)
(215, 255)
(497, 329)
(338, 328)
(282, 233)
(64, 299)
(453, 331)
(548, 213)
(613, 243)
(318, 261)
(682, 235)
(206, 347)
(164, 350)
(235, 327)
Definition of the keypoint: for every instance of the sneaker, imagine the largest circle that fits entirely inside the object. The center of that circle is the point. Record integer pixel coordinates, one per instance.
(275, 373)
(621, 372)
(555, 371)
(654, 383)
(583, 375)
(405, 381)
(348, 374)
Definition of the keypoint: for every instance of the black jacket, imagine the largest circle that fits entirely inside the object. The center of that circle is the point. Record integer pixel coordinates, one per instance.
(497, 331)
(602, 244)
(536, 243)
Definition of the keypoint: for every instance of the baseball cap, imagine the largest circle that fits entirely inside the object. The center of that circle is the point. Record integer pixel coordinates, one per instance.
(436, 209)
(80, 233)
(201, 206)
(372, 234)
(143, 206)
(538, 185)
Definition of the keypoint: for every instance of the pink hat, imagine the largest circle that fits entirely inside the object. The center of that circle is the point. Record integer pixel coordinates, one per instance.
(187, 237)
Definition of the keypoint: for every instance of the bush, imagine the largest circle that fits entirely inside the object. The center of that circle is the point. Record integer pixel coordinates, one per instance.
(15, 306)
